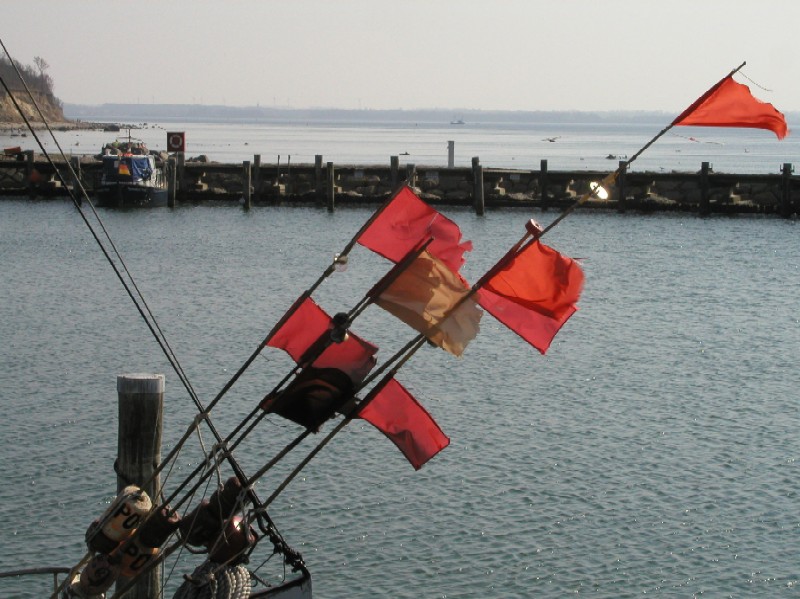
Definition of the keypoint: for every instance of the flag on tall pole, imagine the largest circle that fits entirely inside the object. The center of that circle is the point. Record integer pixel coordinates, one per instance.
(730, 104)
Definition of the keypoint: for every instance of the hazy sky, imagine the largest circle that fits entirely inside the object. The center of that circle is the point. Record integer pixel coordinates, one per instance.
(498, 54)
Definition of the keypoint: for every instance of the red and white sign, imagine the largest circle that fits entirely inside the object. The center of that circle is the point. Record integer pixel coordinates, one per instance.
(176, 141)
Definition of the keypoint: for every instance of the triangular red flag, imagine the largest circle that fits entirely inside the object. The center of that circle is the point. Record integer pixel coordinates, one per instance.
(534, 294)
(405, 222)
(393, 410)
(307, 323)
(730, 104)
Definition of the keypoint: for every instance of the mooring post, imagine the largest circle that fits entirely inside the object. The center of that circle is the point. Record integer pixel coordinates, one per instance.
(257, 177)
(318, 182)
(394, 170)
(30, 173)
(705, 167)
(451, 154)
(621, 191)
(246, 189)
(543, 182)
(331, 188)
(786, 190)
(411, 175)
(141, 405)
(76, 179)
(180, 171)
(477, 186)
(172, 180)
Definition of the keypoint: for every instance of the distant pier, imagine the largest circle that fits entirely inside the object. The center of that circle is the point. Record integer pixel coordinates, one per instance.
(327, 184)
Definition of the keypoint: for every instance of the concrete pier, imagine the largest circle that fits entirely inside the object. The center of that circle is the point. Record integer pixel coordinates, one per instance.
(326, 184)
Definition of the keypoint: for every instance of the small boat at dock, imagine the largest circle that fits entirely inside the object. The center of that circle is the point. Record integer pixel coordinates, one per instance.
(132, 176)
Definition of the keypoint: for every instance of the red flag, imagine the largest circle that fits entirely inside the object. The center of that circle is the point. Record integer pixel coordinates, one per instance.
(534, 294)
(394, 411)
(406, 221)
(730, 104)
(307, 323)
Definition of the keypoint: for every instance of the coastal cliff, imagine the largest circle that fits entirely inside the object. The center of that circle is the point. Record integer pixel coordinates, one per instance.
(49, 105)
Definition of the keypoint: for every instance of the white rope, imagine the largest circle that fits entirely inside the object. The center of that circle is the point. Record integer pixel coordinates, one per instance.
(209, 581)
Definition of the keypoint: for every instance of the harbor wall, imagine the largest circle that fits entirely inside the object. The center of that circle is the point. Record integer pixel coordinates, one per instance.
(326, 183)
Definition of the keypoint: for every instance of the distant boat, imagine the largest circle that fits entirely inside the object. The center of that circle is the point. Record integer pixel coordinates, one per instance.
(457, 122)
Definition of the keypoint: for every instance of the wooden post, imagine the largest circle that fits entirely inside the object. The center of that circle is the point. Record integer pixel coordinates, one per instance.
(172, 180)
(543, 183)
(76, 179)
(786, 190)
(179, 173)
(331, 187)
(246, 189)
(288, 188)
(319, 186)
(411, 175)
(704, 201)
(621, 191)
(257, 176)
(141, 404)
(451, 154)
(477, 186)
(30, 173)
(394, 170)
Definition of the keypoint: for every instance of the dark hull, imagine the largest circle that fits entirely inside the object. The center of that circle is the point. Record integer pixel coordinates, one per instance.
(131, 196)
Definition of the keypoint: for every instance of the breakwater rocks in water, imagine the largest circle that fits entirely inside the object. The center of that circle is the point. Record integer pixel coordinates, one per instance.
(327, 184)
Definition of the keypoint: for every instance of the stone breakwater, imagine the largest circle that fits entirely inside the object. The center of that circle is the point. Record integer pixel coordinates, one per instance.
(327, 184)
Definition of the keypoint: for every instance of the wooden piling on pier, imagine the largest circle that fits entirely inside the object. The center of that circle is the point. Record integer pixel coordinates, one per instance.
(29, 173)
(621, 191)
(543, 183)
(477, 186)
(172, 181)
(331, 188)
(786, 190)
(451, 154)
(319, 185)
(179, 172)
(411, 175)
(257, 177)
(247, 195)
(394, 170)
(141, 404)
(705, 206)
(75, 162)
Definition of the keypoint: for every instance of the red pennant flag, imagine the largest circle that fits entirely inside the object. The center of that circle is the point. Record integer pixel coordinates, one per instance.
(534, 294)
(306, 325)
(730, 104)
(394, 411)
(405, 222)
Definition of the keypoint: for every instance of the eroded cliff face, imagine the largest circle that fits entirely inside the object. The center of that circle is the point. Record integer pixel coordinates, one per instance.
(48, 105)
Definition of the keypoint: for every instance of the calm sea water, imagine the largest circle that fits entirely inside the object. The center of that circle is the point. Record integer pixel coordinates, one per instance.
(653, 451)
(591, 145)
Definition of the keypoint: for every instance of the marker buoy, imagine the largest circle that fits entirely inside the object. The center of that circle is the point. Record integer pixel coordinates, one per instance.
(125, 513)
(98, 576)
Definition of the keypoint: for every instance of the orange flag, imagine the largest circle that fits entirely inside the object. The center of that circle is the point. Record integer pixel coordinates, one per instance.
(534, 294)
(424, 295)
(730, 104)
